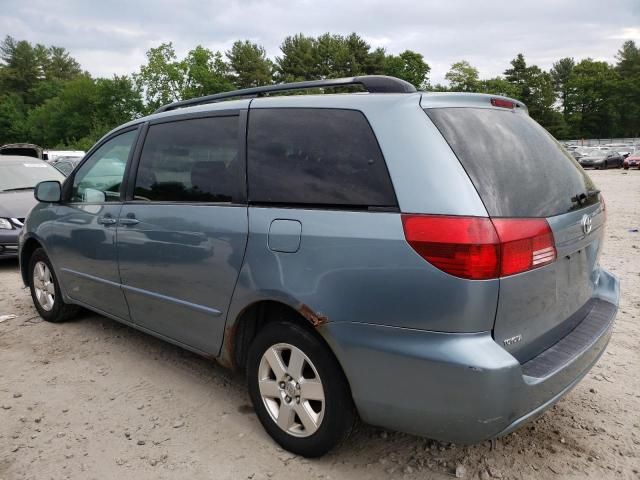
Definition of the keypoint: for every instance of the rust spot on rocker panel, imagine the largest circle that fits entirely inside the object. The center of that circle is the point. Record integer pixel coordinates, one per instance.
(316, 319)
(226, 359)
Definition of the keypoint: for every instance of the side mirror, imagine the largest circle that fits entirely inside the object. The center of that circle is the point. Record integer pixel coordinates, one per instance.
(48, 192)
(91, 195)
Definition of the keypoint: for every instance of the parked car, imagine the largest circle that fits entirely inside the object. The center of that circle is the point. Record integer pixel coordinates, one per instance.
(66, 164)
(633, 160)
(18, 178)
(602, 158)
(53, 155)
(375, 255)
(22, 149)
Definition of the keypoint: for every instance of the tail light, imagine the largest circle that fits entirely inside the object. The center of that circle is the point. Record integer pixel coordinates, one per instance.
(480, 248)
(499, 102)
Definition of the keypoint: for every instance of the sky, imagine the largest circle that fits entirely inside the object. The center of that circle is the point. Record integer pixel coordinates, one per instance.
(111, 37)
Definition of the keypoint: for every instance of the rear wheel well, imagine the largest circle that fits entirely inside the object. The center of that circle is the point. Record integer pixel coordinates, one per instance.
(253, 319)
(30, 246)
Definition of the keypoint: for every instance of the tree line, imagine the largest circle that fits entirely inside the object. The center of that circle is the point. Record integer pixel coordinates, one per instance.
(46, 97)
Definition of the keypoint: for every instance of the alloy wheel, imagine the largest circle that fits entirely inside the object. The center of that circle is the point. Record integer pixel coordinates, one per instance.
(43, 285)
(291, 390)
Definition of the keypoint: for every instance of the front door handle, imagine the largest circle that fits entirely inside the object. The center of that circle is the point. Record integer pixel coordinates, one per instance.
(107, 220)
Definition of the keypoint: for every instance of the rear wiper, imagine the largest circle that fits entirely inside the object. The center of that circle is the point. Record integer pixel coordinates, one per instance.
(580, 198)
(17, 189)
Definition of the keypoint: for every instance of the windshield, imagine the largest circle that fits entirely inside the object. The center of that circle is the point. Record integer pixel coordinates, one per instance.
(518, 168)
(598, 153)
(26, 174)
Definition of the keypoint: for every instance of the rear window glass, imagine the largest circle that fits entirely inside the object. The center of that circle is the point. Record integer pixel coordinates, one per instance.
(316, 157)
(518, 168)
(191, 161)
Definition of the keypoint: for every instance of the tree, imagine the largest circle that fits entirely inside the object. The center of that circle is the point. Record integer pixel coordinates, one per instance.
(628, 89)
(375, 62)
(298, 60)
(20, 70)
(628, 60)
(358, 56)
(118, 101)
(165, 78)
(498, 86)
(591, 89)
(534, 87)
(409, 66)
(462, 77)
(161, 78)
(59, 65)
(12, 117)
(560, 72)
(66, 117)
(249, 65)
(205, 73)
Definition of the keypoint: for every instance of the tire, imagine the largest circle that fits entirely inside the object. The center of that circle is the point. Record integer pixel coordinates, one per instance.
(323, 424)
(45, 290)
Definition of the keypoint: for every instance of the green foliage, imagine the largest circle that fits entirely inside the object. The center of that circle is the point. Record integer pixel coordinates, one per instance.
(409, 66)
(591, 105)
(12, 118)
(45, 97)
(462, 77)
(498, 86)
(628, 89)
(165, 78)
(249, 65)
(534, 87)
(560, 72)
(204, 73)
(335, 56)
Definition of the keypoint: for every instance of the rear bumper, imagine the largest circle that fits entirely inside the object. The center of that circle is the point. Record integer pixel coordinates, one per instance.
(9, 243)
(464, 388)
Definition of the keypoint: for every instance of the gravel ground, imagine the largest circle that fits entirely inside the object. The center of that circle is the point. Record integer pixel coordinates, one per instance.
(92, 399)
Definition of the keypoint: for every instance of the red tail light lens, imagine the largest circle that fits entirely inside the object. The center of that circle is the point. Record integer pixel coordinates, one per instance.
(480, 248)
(466, 247)
(525, 243)
(499, 102)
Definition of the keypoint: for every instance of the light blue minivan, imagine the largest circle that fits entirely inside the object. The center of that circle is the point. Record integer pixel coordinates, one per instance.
(425, 262)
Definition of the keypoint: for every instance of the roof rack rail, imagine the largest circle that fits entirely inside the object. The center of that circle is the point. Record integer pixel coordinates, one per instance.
(371, 83)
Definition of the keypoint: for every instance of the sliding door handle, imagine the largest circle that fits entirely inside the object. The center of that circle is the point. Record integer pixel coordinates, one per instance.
(129, 221)
(107, 220)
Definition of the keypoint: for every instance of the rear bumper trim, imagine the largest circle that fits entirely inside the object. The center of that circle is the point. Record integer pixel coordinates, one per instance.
(598, 319)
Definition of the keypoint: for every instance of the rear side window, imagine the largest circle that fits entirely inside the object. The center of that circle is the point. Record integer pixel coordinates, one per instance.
(316, 157)
(191, 161)
(518, 168)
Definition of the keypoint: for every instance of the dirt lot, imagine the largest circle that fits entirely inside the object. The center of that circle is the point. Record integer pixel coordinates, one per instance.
(92, 399)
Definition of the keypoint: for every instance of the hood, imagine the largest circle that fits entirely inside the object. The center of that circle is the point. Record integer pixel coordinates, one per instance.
(16, 204)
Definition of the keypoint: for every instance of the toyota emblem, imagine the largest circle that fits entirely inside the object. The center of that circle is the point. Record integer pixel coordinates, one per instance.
(586, 224)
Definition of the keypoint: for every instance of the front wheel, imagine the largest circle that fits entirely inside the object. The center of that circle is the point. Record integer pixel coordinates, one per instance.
(298, 390)
(45, 290)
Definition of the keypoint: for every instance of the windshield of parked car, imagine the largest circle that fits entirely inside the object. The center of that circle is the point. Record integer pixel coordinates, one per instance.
(26, 174)
(598, 153)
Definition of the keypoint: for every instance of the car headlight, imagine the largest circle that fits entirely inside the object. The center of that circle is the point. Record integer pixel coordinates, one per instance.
(5, 224)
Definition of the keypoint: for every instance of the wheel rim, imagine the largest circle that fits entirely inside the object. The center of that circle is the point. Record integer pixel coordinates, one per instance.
(43, 286)
(291, 390)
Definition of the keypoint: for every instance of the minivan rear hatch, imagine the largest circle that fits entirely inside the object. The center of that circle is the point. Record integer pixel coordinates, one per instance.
(521, 171)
